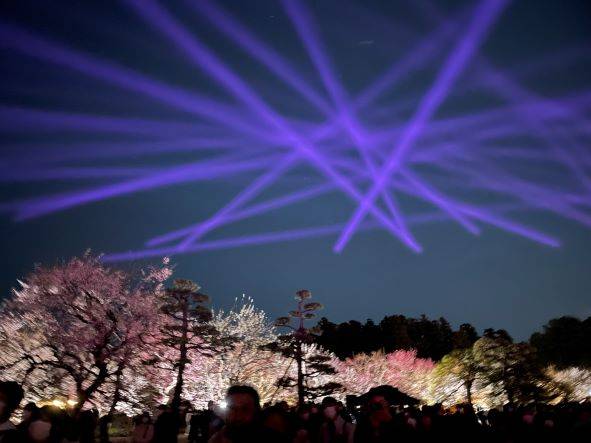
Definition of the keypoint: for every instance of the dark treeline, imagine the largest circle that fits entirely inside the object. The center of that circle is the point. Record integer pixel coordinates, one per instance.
(563, 342)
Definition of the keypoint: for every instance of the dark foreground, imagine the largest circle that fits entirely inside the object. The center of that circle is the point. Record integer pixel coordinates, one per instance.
(374, 418)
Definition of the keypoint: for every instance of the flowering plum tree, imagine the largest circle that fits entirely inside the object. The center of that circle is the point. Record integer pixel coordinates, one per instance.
(73, 327)
(246, 362)
(401, 369)
(462, 366)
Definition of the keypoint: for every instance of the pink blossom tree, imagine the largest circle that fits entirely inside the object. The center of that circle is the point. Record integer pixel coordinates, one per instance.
(76, 327)
(401, 369)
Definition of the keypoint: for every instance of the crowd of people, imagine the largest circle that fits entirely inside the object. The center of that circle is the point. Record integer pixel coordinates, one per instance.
(375, 418)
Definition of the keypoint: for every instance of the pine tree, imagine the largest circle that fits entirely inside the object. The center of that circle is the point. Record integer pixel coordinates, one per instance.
(297, 345)
(185, 331)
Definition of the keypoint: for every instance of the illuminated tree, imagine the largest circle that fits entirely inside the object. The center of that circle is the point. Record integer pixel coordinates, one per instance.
(360, 373)
(247, 362)
(185, 332)
(401, 369)
(511, 369)
(129, 390)
(309, 365)
(576, 382)
(250, 331)
(71, 328)
(461, 365)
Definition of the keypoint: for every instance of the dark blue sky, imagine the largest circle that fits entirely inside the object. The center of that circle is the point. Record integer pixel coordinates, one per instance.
(495, 280)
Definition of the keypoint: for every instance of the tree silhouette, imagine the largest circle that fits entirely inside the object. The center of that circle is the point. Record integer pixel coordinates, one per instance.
(185, 332)
(564, 342)
(296, 345)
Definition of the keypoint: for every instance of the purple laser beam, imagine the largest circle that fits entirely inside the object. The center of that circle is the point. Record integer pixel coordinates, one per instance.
(210, 64)
(320, 231)
(247, 194)
(309, 36)
(485, 16)
(193, 172)
(259, 50)
(42, 48)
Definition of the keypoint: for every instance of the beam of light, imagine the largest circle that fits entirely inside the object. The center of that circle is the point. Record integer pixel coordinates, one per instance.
(504, 183)
(467, 123)
(72, 173)
(516, 153)
(247, 194)
(412, 62)
(271, 59)
(489, 217)
(510, 226)
(512, 92)
(248, 240)
(557, 59)
(280, 67)
(453, 208)
(488, 124)
(494, 179)
(466, 211)
(279, 202)
(457, 154)
(44, 154)
(251, 211)
(553, 138)
(440, 201)
(44, 49)
(210, 64)
(485, 15)
(446, 28)
(258, 209)
(260, 51)
(493, 122)
(307, 32)
(416, 58)
(188, 172)
(19, 119)
(322, 231)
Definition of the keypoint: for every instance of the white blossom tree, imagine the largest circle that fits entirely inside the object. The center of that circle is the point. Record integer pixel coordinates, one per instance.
(247, 362)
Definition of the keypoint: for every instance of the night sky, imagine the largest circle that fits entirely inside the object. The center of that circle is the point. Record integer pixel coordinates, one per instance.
(496, 279)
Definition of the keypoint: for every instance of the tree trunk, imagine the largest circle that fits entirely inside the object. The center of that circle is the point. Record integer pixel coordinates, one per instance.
(117, 393)
(85, 394)
(469, 392)
(510, 396)
(299, 357)
(81, 398)
(178, 388)
(299, 361)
